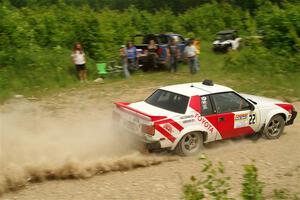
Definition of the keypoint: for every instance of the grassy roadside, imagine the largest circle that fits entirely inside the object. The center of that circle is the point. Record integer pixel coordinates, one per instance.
(286, 87)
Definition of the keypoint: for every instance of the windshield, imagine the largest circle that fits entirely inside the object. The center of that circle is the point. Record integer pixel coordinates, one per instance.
(224, 37)
(169, 101)
(147, 39)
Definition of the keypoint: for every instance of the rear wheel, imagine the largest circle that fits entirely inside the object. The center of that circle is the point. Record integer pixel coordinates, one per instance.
(190, 144)
(274, 128)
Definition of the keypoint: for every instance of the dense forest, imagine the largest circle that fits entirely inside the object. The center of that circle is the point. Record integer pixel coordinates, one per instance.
(36, 36)
(177, 6)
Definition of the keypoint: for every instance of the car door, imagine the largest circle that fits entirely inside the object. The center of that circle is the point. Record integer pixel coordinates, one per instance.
(208, 111)
(235, 115)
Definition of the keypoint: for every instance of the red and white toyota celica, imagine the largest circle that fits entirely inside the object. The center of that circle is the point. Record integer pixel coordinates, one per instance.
(182, 117)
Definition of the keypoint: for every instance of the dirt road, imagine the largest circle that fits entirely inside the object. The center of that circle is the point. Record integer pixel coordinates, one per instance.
(68, 133)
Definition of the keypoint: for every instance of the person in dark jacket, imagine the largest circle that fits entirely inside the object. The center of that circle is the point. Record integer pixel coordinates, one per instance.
(173, 54)
(152, 50)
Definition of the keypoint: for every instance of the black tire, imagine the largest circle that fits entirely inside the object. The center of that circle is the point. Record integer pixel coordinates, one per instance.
(190, 144)
(274, 128)
(229, 49)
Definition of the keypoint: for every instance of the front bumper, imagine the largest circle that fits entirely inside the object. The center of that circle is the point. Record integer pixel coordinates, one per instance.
(291, 121)
(220, 47)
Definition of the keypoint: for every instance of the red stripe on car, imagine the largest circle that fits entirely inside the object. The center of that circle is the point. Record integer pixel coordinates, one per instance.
(172, 122)
(195, 103)
(165, 133)
(286, 106)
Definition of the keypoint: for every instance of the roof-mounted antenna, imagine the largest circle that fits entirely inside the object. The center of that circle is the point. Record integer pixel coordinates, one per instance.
(193, 86)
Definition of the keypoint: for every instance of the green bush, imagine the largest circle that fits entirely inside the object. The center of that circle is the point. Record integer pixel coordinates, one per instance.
(256, 58)
(280, 25)
(36, 68)
(32, 32)
(252, 187)
(214, 186)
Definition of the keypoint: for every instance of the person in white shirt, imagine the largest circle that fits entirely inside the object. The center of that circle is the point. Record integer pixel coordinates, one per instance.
(79, 61)
(190, 53)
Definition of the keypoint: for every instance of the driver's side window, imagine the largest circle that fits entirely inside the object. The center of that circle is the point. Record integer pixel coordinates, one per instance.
(229, 102)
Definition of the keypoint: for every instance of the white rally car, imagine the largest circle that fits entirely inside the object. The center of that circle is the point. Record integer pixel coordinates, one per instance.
(182, 117)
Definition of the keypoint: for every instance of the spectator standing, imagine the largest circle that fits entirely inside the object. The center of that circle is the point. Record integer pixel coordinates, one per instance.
(123, 56)
(78, 58)
(132, 56)
(190, 53)
(196, 43)
(173, 54)
(152, 53)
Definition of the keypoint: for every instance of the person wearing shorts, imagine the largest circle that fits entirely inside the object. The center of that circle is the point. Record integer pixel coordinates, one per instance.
(79, 61)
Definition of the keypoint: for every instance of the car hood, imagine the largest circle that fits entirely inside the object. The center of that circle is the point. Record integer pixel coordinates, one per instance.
(151, 110)
(261, 100)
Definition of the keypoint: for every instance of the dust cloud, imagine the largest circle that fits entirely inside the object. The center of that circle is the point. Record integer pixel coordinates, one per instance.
(37, 145)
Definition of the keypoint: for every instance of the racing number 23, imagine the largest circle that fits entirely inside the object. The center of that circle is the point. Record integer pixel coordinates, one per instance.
(252, 118)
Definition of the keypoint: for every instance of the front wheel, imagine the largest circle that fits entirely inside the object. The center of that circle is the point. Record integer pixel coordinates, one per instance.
(229, 49)
(274, 128)
(190, 144)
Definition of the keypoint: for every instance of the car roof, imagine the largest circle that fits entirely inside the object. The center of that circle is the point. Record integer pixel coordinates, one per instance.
(172, 34)
(192, 89)
(226, 32)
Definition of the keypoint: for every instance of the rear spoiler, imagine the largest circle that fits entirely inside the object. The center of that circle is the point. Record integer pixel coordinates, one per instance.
(125, 106)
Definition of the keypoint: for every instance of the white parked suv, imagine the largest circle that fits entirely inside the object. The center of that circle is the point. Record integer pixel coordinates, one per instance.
(182, 117)
(226, 41)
